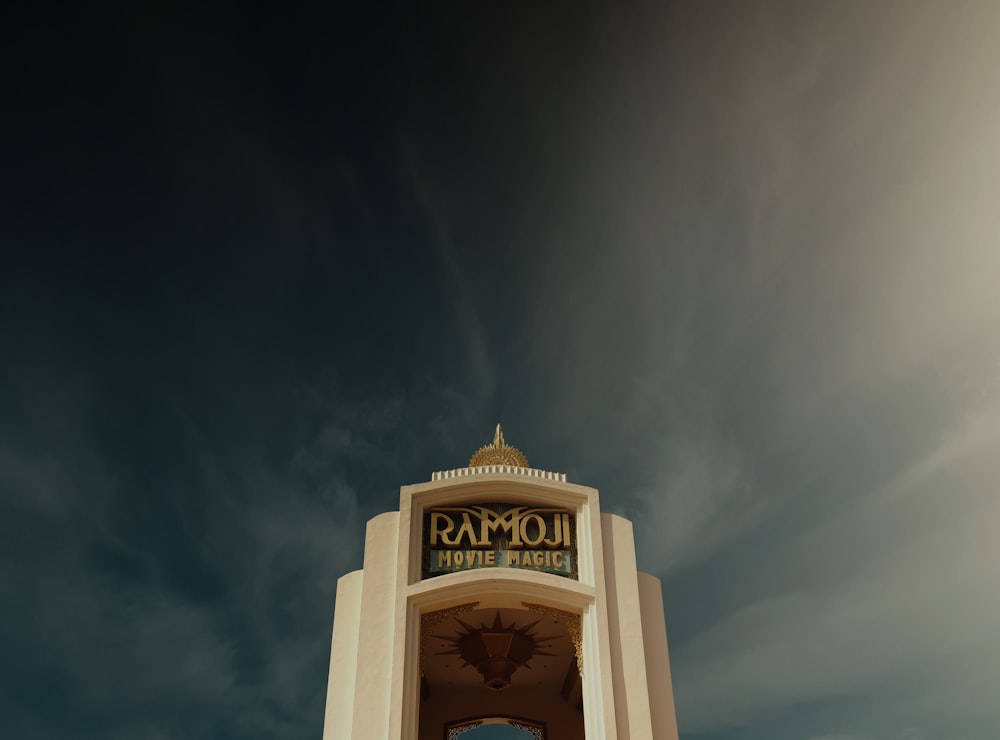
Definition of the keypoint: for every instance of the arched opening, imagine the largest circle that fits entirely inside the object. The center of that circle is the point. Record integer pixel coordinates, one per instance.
(500, 673)
(496, 728)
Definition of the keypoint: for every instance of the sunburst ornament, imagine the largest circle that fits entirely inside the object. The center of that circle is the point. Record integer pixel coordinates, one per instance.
(496, 651)
(498, 453)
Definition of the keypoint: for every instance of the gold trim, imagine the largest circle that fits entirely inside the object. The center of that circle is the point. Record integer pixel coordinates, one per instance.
(573, 626)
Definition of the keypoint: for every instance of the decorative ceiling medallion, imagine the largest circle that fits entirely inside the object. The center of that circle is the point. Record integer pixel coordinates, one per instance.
(498, 453)
(496, 651)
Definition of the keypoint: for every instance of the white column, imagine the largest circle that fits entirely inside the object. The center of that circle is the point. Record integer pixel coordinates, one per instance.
(628, 659)
(376, 636)
(343, 658)
(654, 633)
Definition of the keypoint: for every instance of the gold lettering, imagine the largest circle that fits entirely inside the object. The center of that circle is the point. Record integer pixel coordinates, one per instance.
(524, 530)
(490, 521)
(557, 531)
(521, 527)
(465, 529)
(436, 518)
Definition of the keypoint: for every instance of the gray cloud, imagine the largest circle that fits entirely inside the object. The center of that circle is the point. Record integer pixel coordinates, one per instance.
(918, 608)
(100, 609)
(701, 497)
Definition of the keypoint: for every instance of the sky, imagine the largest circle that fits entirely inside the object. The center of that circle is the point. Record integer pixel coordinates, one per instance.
(733, 264)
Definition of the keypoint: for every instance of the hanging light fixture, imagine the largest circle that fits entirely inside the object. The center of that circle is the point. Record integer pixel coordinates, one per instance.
(496, 651)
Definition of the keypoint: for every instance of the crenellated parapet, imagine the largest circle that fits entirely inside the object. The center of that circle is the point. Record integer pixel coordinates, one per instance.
(494, 469)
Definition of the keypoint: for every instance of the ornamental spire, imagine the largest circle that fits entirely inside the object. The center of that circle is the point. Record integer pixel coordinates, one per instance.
(498, 453)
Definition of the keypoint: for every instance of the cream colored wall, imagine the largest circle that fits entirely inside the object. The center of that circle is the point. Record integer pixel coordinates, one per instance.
(343, 658)
(626, 681)
(628, 660)
(654, 633)
(376, 636)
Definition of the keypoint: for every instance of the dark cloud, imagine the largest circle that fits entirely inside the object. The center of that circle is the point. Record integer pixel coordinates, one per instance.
(733, 265)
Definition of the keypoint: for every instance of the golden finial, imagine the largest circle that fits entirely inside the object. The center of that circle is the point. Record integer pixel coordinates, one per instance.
(498, 453)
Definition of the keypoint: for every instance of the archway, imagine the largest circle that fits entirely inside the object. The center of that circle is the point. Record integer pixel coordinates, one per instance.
(496, 728)
(502, 669)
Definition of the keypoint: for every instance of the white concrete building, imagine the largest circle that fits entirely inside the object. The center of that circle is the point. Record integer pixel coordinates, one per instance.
(499, 593)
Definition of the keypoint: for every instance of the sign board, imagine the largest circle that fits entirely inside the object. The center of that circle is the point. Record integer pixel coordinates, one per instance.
(499, 535)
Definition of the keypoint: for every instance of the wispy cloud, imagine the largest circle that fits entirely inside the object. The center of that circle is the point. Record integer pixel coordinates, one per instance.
(918, 608)
(701, 495)
(466, 309)
(235, 613)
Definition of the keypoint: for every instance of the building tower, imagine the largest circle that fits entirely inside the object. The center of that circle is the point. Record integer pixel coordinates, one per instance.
(499, 593)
